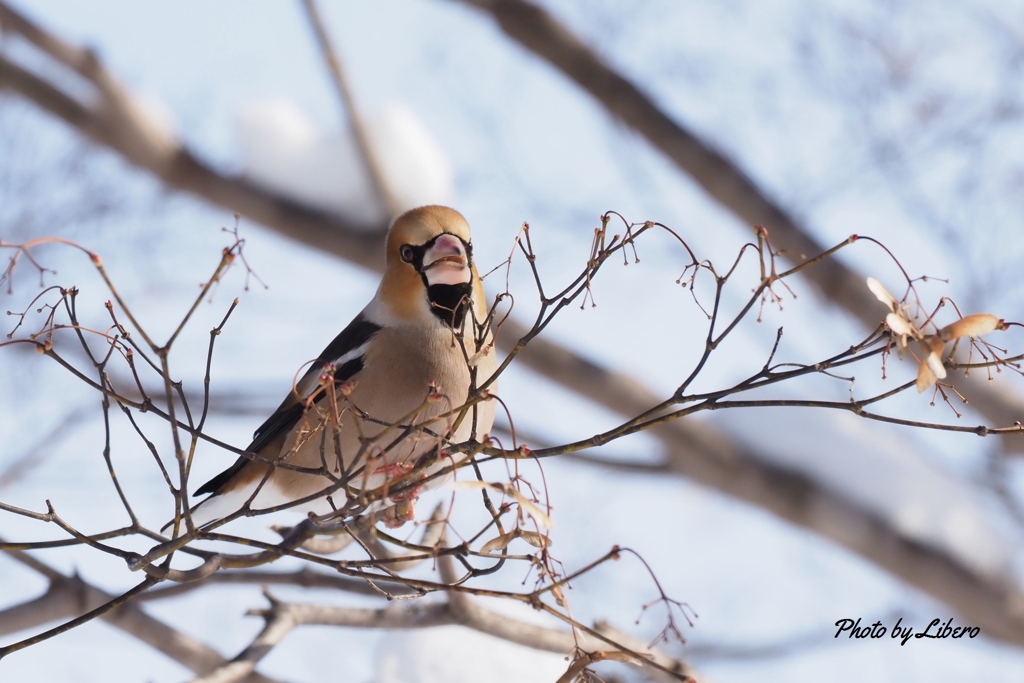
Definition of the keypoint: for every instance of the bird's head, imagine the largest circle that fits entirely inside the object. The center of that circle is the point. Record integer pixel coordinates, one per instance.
(429, 272)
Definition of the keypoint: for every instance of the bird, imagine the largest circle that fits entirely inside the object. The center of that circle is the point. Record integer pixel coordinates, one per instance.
(385, 392)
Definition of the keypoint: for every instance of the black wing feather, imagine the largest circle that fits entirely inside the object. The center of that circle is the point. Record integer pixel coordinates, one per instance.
(357, 333)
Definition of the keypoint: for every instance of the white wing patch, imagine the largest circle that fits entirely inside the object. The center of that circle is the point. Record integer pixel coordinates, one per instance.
(311, 380)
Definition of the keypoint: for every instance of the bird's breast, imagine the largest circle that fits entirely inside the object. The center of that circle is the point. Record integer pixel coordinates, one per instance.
(401, 367)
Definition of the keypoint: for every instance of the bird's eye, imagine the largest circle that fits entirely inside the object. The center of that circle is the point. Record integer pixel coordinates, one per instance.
(407, 253)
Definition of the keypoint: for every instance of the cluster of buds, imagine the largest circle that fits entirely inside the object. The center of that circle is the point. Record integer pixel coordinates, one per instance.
(931, 367)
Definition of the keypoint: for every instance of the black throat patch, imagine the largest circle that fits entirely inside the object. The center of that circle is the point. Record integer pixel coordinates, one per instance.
(450, 302)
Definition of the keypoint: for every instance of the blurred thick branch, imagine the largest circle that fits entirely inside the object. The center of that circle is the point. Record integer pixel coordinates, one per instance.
(112, 118)
(538, 31)
(693, 449)
(370, 156)
(282, 617)
(69, 596)
(464, 610)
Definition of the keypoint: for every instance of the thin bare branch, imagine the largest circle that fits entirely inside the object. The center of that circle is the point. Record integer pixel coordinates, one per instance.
(306, 578)
(279, 623)
(465, 611)
(694, 450)
(539, 31)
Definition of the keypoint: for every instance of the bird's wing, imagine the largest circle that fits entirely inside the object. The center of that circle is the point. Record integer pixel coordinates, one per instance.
(345, 352)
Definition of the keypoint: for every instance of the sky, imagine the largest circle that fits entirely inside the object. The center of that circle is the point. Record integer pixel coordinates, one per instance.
(793, 90)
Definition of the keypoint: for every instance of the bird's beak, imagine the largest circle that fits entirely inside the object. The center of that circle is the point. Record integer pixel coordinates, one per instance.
(445, 262)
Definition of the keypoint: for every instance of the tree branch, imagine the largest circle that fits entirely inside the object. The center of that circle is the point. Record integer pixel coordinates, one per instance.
(370, 157)
(279, 623)
(131, 135)
(70, 596)
(538, 31)
(422, 614)
(694, 450)
(469, 613)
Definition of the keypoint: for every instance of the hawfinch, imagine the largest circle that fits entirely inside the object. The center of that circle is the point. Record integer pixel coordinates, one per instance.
(391, 388)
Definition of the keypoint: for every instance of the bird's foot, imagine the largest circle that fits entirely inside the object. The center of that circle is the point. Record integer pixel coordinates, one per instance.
(400, 513)
(394, 470)
(404, 508)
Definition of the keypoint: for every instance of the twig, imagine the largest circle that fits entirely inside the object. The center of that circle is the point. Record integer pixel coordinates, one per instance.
(279, 623)
(539, 31)
(468, 613)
